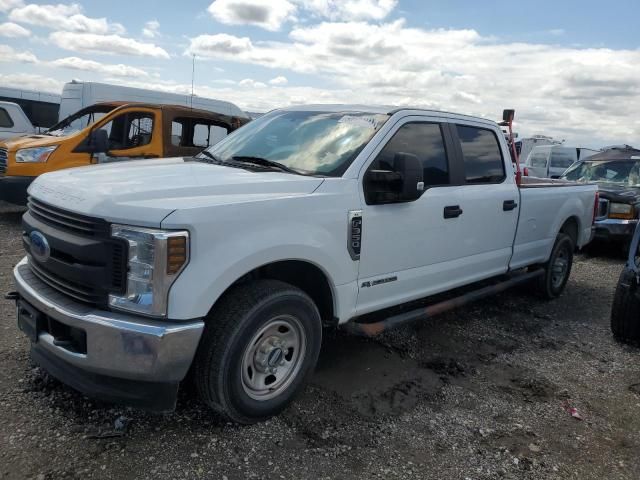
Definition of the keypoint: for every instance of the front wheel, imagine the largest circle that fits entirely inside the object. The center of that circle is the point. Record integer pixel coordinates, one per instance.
(260, 345)
(558, 268)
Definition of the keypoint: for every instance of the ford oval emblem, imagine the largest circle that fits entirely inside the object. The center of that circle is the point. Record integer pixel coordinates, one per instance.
(39, 246)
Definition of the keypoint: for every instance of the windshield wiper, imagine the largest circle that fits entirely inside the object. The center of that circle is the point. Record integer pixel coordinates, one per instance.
(264, 162)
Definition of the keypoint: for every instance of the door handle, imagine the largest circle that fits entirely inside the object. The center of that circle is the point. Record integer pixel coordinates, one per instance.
(508, 205)
(452, 211)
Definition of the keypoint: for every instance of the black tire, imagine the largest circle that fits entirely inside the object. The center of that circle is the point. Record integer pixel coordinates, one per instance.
(221, 376)
(625, 312)
(549, 285)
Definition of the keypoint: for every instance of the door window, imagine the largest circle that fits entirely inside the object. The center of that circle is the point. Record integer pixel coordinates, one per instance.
(5, 119)
(129, 130)
(539, 160)
(424, 140)
(194, 132)
(561, 160)
(483, 162)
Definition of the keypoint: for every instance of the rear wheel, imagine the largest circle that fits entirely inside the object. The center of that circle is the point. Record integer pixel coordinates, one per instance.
(259, 347)
(558, 268)
(625, 312)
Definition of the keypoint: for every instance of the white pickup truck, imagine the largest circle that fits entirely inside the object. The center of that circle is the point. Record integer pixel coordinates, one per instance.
(229, 264)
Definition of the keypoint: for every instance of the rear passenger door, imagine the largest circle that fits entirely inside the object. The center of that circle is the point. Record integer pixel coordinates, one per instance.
(489, 201)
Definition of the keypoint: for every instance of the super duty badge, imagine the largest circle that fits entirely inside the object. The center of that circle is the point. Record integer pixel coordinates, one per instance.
(354, 239)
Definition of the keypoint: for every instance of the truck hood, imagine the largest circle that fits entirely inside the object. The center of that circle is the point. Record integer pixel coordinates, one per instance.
(619, 193)
(144, 192)
(33, 140)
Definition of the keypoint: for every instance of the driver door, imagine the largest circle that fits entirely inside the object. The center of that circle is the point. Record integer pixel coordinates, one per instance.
(132, 134)
(407, 246)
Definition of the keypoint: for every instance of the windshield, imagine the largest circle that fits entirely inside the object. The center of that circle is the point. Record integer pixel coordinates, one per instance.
(79, 120)
(620, 172)
(311, 143)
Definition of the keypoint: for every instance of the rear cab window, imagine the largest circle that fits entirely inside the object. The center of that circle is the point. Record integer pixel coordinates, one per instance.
(483, 161)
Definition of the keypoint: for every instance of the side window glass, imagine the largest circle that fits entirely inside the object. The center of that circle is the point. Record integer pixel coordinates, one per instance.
(176, 133)
(539, 160)
(205, 135)
(5, 119)
(483, 160)
(129, 130)
(561, 160)
(140, 128)
(425, 141)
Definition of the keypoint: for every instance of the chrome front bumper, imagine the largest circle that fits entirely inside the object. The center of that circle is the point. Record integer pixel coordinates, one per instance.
(117, 345)
(613, 228)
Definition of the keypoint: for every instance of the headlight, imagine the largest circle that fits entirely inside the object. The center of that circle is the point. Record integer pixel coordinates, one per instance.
(156, 258)
(34, 155)
(621, 210)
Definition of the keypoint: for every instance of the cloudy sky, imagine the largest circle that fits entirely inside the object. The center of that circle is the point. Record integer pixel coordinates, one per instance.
(570, 68)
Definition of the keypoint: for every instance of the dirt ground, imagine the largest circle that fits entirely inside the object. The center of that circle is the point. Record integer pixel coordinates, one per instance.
(480, 393)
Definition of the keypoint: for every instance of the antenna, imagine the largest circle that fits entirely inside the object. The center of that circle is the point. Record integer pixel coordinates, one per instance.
(193, 74)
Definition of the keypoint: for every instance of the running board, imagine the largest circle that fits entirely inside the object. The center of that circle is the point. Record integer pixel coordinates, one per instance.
(376, 328)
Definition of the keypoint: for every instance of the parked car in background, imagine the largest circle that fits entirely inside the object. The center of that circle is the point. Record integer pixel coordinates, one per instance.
(551, 161)
(13, 122)
(41, 108)
(525, 145)
(109, 132)
(625, 311)
(230, 263)
(79, 95)
(617, 173)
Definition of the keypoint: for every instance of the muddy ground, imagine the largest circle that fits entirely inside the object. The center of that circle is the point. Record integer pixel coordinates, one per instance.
(484, 392)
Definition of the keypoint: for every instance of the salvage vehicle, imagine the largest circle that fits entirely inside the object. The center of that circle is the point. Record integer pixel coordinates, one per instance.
(616, 171)
(625, 311)
(551, 161)
(13, 121)
(229, 264)
(107, 132)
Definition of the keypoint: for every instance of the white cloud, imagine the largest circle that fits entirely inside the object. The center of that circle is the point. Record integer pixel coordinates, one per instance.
(118, 70)
(268, 15)
(31, 82)
(151, 29)
(279, 80)
(63, 17)
(250, 83)
(345, 10)
(574, 93)
(8, 54)
(6, 5)
(13, 30)
(105, 44)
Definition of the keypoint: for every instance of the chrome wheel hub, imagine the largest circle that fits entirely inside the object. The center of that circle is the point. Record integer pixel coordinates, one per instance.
(273, 357)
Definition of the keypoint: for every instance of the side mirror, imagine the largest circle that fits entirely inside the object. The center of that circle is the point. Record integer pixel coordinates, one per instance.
(508, 115)
(402, 184)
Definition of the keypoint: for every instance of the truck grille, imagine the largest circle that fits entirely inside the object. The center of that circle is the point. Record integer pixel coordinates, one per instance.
(65, 220)
(85, 262)
(3, 160)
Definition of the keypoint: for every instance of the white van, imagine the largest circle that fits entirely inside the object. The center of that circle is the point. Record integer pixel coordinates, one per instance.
(78, 95)
(550, 161)
(13, 122)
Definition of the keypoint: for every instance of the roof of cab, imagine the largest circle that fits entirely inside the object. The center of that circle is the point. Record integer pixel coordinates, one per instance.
(387, 110)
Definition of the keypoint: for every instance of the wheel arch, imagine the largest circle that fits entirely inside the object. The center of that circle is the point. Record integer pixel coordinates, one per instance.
(303, 274)
(571, 227)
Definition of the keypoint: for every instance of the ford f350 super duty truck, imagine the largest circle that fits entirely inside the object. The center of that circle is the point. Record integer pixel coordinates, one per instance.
(229, 263)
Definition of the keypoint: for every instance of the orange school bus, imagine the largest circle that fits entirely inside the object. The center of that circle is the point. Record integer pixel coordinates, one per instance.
(107, 132)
